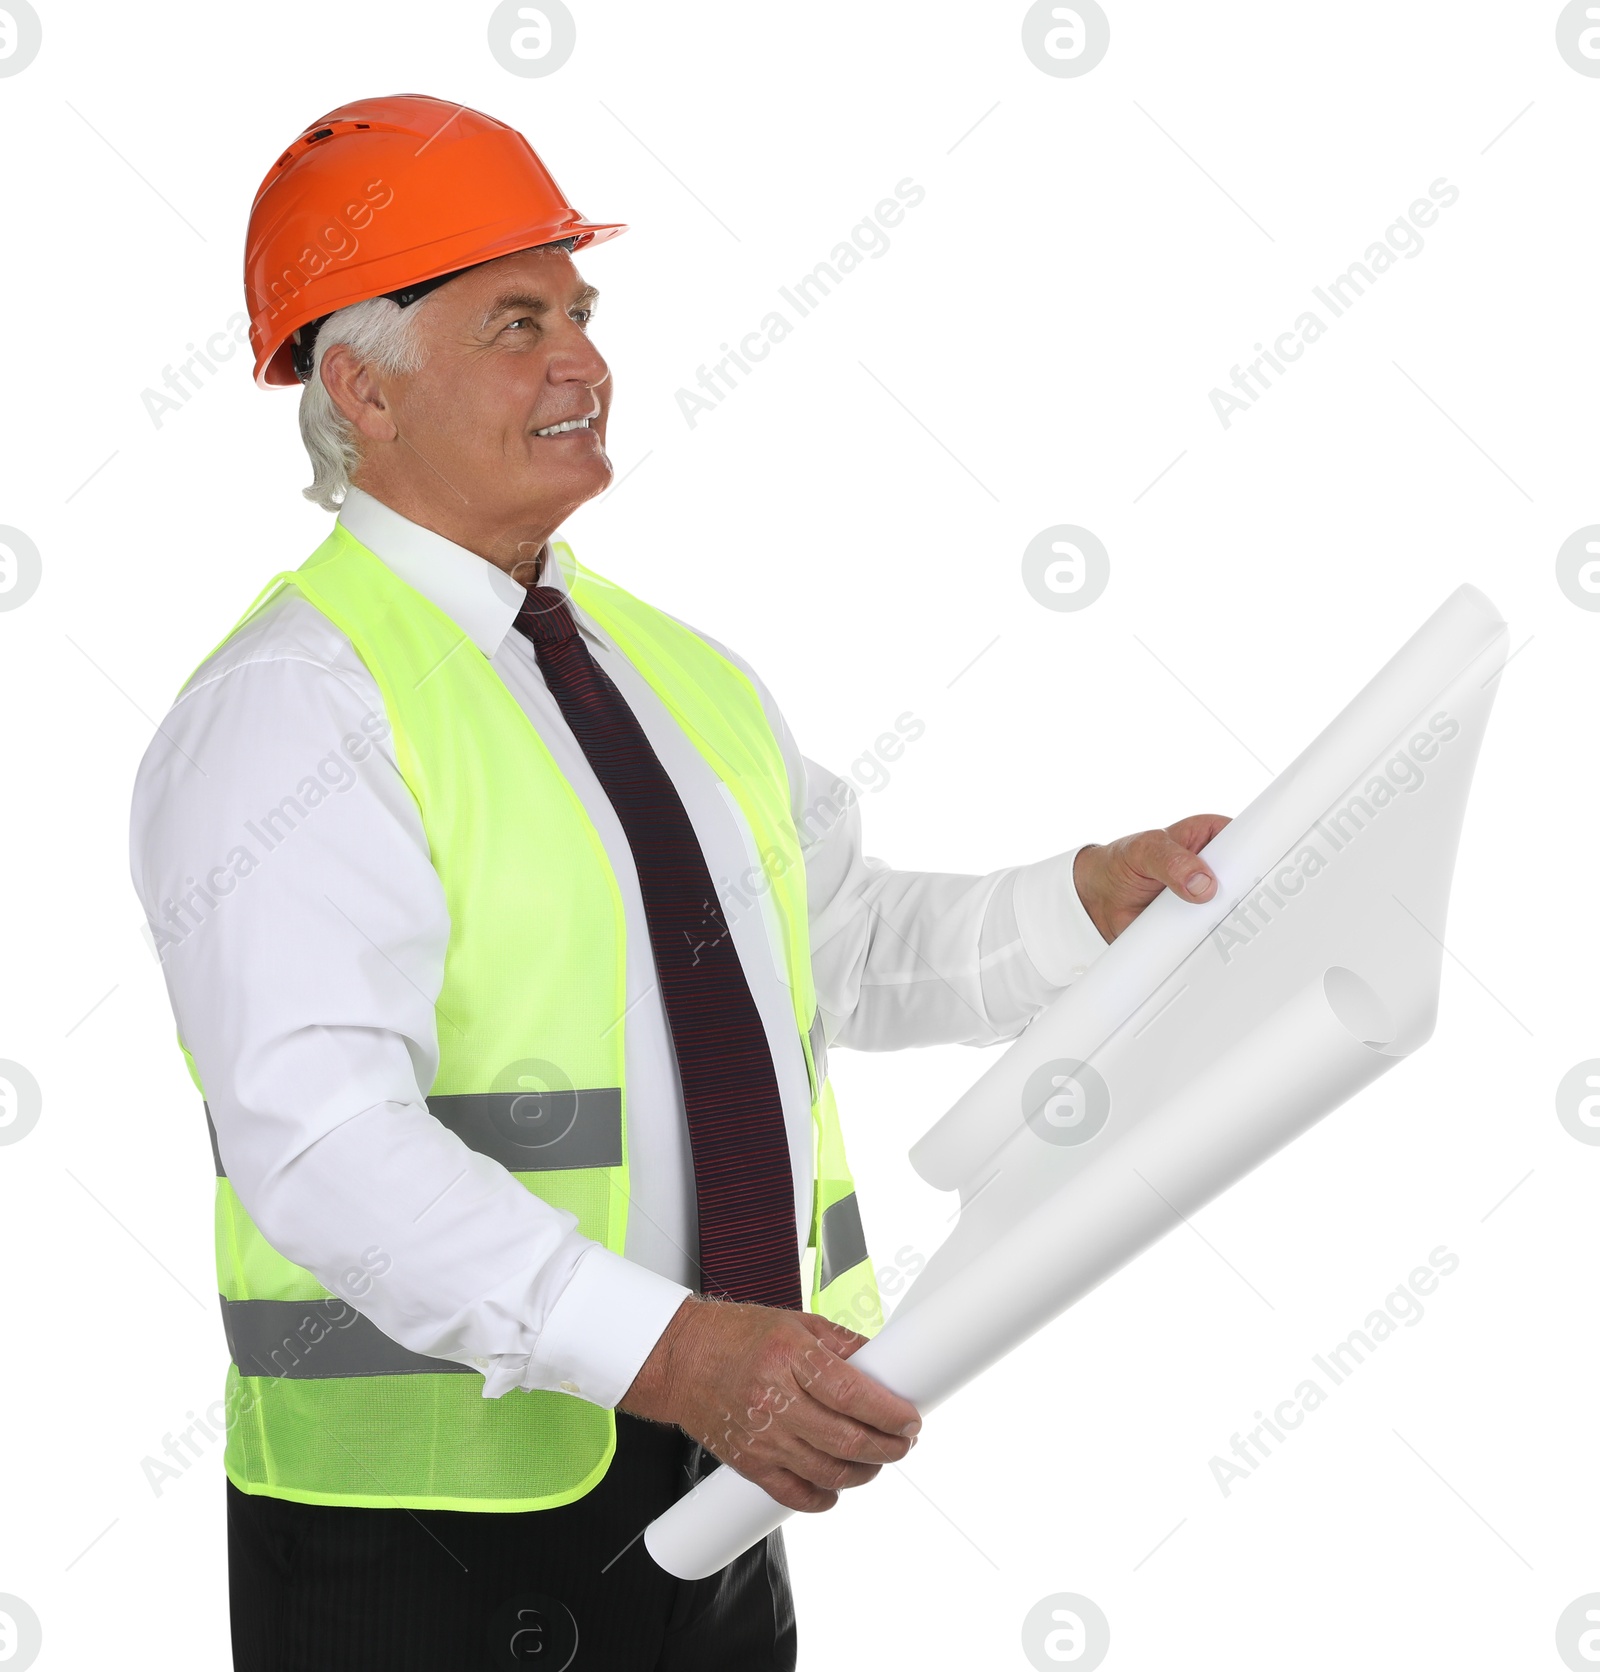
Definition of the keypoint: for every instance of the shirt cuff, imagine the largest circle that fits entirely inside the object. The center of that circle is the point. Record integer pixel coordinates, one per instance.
(1057, 932)
(598, 1333)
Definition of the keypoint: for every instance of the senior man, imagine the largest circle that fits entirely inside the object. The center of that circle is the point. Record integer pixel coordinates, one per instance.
(518, 1104)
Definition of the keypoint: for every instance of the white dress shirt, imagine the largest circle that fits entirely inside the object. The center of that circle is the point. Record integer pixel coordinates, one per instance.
(303, 966)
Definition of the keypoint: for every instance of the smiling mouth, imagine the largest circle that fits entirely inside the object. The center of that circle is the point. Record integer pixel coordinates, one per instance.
(565, 426)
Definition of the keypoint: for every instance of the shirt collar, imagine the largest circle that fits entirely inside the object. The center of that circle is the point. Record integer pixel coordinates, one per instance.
(481, 599)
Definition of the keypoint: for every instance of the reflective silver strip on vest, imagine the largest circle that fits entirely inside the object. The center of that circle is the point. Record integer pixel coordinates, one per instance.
(537, 1131)
(844, 1243)
(305, 1339)
(525, 1131)
(819, 1053)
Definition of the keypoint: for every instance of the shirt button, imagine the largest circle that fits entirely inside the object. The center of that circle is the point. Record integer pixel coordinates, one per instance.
(569, 1387)
(482, 1363)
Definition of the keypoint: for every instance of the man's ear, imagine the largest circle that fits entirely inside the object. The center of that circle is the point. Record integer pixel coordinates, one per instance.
(357, 393)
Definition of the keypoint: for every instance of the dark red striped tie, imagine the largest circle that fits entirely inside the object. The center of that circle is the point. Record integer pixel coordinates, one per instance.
(749, 1250)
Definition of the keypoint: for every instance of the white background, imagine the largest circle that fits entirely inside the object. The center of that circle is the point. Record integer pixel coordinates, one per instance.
(1089, 261)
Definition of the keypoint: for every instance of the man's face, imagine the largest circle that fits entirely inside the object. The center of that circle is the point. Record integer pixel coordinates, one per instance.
(508, 357)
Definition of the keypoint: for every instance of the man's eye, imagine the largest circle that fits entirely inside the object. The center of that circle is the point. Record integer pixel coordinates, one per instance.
(521, 319)
(583, 315)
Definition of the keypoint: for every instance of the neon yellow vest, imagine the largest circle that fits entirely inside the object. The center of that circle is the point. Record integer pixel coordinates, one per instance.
(324, 1408)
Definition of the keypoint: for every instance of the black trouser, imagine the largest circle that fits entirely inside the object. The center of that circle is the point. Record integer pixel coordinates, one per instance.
(315, 1588)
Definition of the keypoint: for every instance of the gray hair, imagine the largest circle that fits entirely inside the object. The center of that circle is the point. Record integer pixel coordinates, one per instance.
(383, 334)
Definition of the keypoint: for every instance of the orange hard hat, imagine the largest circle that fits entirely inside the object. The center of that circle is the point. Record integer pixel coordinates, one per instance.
(379, 197)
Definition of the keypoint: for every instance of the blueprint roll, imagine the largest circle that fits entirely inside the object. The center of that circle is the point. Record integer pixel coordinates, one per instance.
(1364, 845)
(1019, 1274)
(1203, 1040)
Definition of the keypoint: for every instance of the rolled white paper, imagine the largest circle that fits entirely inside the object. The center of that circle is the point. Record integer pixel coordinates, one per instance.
(1203, 1040)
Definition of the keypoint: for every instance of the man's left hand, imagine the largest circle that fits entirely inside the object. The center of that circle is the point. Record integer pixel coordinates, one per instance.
(1117, 880)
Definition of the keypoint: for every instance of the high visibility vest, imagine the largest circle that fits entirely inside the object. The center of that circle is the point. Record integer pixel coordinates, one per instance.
(324, 1408)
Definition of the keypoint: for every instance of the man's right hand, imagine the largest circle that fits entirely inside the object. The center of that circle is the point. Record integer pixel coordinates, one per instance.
(768, 1392)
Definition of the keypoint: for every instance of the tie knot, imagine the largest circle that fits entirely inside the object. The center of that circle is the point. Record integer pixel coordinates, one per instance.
(544, 616)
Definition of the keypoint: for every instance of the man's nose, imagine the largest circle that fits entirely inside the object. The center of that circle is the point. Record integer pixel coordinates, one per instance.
(582, 363)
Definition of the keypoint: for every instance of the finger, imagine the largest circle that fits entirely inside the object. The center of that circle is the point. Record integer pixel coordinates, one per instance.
(852, 1393)
(1170, 864)
(816, 1423)
(1198, 829)
(783, 1484)
(846, 1440)
(1151, 861)
(793, 1492)
(831, 1473)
